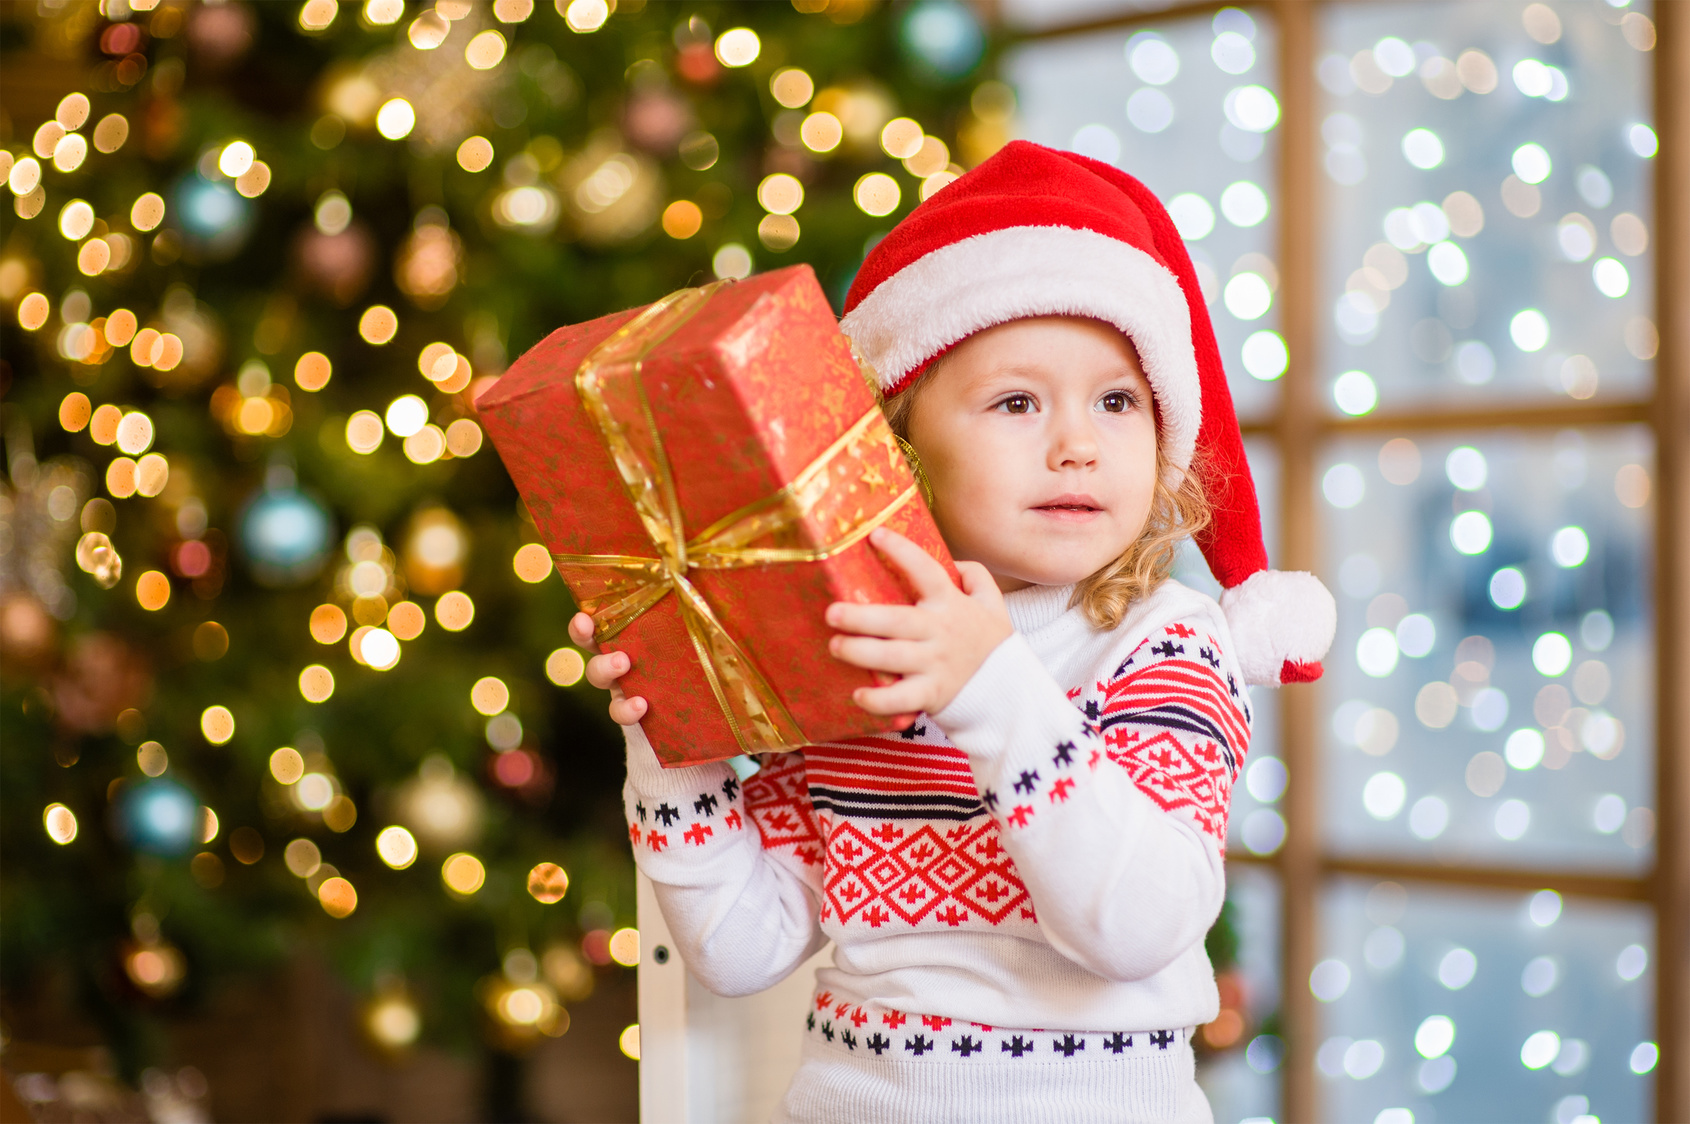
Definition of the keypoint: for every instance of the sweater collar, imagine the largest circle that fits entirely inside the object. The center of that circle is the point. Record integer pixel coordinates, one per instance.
(1036, 606)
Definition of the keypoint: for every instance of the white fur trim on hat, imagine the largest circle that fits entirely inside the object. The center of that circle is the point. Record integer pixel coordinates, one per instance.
(988, 279)
(1278, 616)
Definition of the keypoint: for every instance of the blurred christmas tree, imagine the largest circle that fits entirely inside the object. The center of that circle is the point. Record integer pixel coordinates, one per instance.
(283, 663)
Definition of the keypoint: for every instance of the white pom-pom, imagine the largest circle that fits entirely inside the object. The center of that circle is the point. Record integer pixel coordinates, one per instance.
(1278, 616)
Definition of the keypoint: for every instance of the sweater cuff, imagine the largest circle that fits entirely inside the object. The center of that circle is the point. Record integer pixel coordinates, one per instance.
(649, 778)
(1011, 680)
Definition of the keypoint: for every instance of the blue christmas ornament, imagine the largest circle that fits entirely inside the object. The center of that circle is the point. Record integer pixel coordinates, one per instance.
(159, 817)
(944, 37)
(214, 216)
(285, 535)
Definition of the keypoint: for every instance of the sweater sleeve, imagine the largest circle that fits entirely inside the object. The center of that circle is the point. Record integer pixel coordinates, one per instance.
(1115, 815)
(740, 898)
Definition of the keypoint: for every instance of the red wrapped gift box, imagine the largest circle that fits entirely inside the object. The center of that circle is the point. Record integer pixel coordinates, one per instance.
(706, 471)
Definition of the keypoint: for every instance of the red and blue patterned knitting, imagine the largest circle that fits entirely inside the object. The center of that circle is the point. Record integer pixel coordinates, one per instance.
(893, 831)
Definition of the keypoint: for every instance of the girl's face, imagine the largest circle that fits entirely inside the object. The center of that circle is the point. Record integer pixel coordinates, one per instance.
(1039, 441)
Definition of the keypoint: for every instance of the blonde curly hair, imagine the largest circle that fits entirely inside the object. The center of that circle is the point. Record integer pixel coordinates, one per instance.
(1178, 507)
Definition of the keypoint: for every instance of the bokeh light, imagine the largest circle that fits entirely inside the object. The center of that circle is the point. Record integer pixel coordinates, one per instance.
(364, 431)
(134, 433)
(396, 847)
(120, 478)
(328, 624)
(738, 47)
(1355, 393)
(821, 132)
(532, 563)
(463, 873)
(236, 158)
(792, 87)
(393, 1020)
(406, 415)
(454, 611)
(60, 823)
(378, 325)
(33, 311)
(147, 211)
(548, 883)
(732, 261)
(74, 412)
(406, 620)
(463, 438)
(152, 590)
(682, 219)
(485, 51)
(313, 371)
(396, 119)
(151, 759)
(378, 648)
(302, 857)
(316, 683)
(217, 724)
(565, 667)
(625, 947)
(489, 696)
(780, 193)
(337, 896)
(475, 154)
(426, 445)
(286, 765)
(586, 16)
(317, 15)
(876, 194)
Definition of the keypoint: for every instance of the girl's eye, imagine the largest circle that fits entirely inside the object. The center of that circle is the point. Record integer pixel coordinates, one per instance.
(1017, 404)
(1117, 402)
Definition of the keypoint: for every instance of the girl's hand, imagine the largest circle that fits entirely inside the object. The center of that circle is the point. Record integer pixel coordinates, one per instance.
(936, 645)
(603, 671)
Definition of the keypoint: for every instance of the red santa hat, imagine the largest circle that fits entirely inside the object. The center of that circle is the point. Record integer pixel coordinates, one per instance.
(1037, 232)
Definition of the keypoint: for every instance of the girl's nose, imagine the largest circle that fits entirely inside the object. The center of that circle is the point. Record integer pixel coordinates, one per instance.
(1073, 444)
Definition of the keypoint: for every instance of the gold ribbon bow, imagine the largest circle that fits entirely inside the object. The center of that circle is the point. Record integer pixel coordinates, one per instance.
(829, 498)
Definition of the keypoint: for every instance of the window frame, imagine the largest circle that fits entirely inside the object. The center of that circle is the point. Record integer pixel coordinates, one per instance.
(1301, 427)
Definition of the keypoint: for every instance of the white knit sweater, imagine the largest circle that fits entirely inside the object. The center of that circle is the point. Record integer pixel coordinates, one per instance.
(1046, 852)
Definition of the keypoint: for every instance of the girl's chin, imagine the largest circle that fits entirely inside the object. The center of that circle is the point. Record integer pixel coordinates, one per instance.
(1022, 572)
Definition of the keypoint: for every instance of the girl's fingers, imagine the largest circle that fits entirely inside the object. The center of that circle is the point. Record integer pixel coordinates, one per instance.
(977, 581)
(903, 721)
(894, 622)
(898, 656)
(627, 712)
(603, 671)
(925, 575)
(903, 697)
(581, 631)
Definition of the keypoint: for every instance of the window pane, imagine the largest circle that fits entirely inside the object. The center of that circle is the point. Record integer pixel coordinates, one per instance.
(1242, 1080)
(1486, 245)
(1483, 1006)
(1489, 695)
(1190, 107)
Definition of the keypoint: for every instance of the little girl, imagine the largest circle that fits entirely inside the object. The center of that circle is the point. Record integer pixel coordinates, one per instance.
(1017, 882)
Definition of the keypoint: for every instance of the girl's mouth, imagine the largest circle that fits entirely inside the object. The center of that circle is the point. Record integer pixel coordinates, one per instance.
(1070, 507)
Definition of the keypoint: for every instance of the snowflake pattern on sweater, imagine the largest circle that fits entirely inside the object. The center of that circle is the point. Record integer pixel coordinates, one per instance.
(894, 831)
(883, 1031)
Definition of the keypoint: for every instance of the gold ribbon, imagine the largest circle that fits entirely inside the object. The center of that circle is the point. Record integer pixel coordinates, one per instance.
(823, 511)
